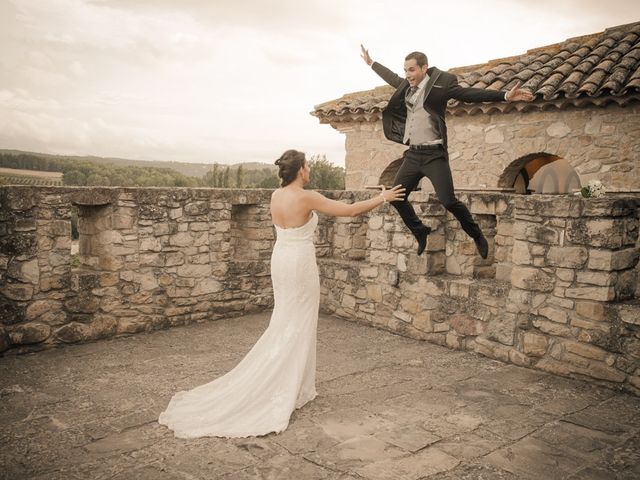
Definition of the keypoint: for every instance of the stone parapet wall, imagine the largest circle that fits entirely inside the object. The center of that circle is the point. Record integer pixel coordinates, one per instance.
(149, 258)
(559, 291)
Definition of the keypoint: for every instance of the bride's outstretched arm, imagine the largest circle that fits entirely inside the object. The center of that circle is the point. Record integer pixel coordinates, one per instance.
(318, 202)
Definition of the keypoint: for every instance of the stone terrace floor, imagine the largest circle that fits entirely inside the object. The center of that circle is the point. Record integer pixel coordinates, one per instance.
(388, 408)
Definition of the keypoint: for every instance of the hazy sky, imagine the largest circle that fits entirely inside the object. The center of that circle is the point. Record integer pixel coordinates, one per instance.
(235, 80)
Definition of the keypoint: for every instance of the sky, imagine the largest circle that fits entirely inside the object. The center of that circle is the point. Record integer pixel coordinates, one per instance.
(232, 81)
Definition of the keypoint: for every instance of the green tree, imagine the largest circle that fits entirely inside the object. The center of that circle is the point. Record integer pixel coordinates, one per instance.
(325, 175)
(239, 175)
(211, 177)
(225, 178)
(96, 179)
(270, 181)
(74, 177)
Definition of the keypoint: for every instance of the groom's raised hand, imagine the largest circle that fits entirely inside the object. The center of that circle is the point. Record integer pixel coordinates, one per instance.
(365, 55)
(517, 94)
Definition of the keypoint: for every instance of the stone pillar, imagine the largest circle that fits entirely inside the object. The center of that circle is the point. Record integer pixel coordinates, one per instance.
(572, 259)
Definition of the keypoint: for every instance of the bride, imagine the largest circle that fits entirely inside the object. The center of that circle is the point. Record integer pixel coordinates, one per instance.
(278, 374)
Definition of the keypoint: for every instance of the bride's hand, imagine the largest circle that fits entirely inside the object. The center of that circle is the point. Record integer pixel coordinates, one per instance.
(394, 194)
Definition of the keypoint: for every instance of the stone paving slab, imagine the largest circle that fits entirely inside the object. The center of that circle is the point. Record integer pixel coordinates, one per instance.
(388, 407)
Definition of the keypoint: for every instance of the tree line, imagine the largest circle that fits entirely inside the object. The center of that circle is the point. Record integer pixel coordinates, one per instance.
(324, 175)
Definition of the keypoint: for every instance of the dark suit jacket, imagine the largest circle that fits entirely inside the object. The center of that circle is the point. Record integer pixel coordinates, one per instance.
(441, 87)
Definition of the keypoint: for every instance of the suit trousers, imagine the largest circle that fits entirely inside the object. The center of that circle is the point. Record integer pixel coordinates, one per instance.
(432, 163)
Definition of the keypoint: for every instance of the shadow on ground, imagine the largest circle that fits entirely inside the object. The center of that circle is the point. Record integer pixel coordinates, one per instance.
(388, 408)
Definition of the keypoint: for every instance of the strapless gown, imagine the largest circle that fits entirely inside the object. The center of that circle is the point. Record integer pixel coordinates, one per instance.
(277, 376)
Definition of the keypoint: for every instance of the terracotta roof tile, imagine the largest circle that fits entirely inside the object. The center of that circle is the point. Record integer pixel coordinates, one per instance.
(592, 69)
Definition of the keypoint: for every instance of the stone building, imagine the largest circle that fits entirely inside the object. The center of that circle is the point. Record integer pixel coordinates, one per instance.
(583, 124)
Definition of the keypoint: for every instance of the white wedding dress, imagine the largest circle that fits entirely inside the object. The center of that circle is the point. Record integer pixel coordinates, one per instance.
(278, 374)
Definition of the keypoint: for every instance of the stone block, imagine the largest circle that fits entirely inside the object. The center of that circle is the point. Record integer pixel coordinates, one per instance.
(625, 284)
(39, 307)
(423, 321)
(374, 292)
(603, 279)
(73, 332)
(28, 271)
(102, 326)
(534, 344)
(585, 350)
(503, 272)
(537, 233)
(601, 232)
(17, 291)
(206, 286)
(150, 244)
(122, 222)
(594, 326)
(568, 257)
(147, 281)
(375, 222)
(196, 271)
(441, 327)
(60, 228)
(534, 279)
(502, 329)
(29, 333)
(519, 358)
(552, 328)
(613, 259)
(24, 225)
(558, 130)
(520, 253)
(82, 303)
(554, 314)
(602, 294)
(630, 314)
(592, 310)
(57, 259)
(53, 282)
(403, 316)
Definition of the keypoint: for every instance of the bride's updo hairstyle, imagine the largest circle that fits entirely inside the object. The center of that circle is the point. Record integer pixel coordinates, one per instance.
(289, 164)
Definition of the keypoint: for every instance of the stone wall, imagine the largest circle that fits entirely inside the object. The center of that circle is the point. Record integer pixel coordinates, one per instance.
(559, 291)
(487, 151)
(149, 258)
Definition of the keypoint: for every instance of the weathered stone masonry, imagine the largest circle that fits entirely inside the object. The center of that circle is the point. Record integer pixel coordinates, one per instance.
(149, 258)
(559, 291)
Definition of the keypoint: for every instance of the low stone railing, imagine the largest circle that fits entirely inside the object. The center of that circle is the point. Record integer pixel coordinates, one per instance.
(559, 291)
(149, 258)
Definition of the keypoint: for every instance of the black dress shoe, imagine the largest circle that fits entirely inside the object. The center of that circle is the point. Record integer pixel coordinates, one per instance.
(422, 239)
(482, 246)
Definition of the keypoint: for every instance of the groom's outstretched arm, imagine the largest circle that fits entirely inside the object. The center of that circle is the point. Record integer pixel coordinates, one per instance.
(387, 75)
(473, 95)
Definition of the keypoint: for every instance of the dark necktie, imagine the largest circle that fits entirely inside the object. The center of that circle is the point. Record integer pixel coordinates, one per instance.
(410, 92)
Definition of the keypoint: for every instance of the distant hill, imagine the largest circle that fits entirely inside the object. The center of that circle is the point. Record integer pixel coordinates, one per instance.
(189, 169)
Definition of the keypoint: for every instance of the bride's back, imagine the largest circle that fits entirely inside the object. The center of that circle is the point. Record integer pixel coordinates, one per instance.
(288, 208)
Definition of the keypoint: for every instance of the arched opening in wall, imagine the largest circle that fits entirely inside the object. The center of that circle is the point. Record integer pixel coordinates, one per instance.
(389, 174)
(75, 237)
(540, 173)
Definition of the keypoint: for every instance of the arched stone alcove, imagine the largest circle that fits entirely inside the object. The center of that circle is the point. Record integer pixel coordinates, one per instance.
(540, 172)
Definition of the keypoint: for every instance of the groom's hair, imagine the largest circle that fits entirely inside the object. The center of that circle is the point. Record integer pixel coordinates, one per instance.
(289, 164)
(420, 58)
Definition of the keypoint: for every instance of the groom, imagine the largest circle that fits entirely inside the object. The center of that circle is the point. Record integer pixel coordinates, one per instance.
(414, 116)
